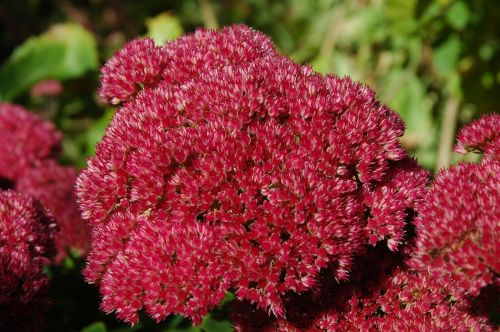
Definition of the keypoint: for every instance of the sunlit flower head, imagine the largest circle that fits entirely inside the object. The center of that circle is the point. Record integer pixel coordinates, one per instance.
(230, 167)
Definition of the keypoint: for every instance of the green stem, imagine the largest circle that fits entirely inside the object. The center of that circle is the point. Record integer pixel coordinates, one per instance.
(208, 15)
(448, 126)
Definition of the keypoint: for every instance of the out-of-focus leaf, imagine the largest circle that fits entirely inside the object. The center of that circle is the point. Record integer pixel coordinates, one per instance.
(446, 56)
(163, 27)
(186, 329)
(321, 64)
(343, 65)
(64, 51)
(95, 133)
(227, 299)
(69, 263)
(486, 52)
(458, 15)
(96, 327)
(400, 10)
(209, 324)
(406, 94)
(137, 327)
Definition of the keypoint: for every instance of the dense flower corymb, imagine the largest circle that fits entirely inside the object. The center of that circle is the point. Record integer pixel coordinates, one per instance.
(384, 297)
(26, 140)
(229, 167)
(53, 185)
(26, 235)
(459, 225)
(482, 136)
(28, 165)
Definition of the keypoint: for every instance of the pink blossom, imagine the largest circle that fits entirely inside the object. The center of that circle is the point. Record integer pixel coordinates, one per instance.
(236, 169)
(138, 64)
(482, 136)
(403, 301)
(28, 151)
(141, 64)
(53, 185)
(383, 295)
(458, 227)
(26, 234)
(26, 140)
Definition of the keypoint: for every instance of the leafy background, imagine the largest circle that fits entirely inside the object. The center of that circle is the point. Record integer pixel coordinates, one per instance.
(436, 62)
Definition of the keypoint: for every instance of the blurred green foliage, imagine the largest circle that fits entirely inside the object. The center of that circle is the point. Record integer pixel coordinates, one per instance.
(65, 51)
(436, 62)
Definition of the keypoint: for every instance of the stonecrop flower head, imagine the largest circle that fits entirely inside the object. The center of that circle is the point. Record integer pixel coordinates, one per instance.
(26, 140)
(482, 135)
(26, 245)
(142, 64)
(28, 165)
(458, 226)
(53, 185)
(229, 167)
(382, 295)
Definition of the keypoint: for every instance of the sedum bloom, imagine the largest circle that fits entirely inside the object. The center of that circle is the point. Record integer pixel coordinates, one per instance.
(26, 245)
(482, 135)
(229, 167)
(53, 185)
(28, 165)
(458, 225)
(403, 301)
(26, 140)
(384, 297)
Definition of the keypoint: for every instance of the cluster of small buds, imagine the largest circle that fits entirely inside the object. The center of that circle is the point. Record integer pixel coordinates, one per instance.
(26, 140)
(403, 301)
(28, 165)
(53, 185)
(458, 225)
(385, 297)
(229, 167)
(482, 135)
(26, 245)
(141, 64)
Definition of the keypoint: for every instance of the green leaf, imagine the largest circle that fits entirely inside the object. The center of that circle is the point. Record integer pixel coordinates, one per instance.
(321, 64)
(95, 327)
(65, 51)
(458, 15)
(96, 132)
(69, 263)
(406, 94)
(400, 10)
(185, 329)
(211, 325)
(446, 55)
(163, 27)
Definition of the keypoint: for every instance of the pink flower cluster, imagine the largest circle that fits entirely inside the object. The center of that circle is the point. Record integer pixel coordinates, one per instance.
(229, 167)
(382, 295)
(459, 224)
(482, 135)
(26, 245)
(28, 165)
(444, 279)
